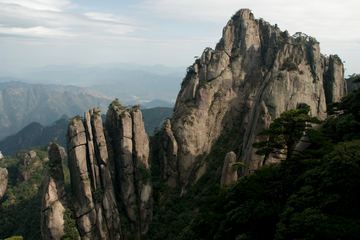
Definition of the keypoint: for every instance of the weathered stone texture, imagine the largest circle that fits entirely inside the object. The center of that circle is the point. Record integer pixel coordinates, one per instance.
(3, 181)
(54, 197)
(229, 174)
(169, 154)
(254, 74)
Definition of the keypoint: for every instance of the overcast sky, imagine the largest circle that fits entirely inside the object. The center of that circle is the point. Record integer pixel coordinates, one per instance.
(39, 32)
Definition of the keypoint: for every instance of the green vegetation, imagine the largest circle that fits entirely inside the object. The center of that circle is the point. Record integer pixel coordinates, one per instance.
(289, 65)
(20, 208)
(285, 132)
(15, 238)
(143, 174)
(70, 226)
(312, 196)
(117, 104)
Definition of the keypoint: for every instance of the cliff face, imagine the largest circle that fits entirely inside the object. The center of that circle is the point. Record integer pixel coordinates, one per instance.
(129, 157)
(54, 197)
(101, 163)
(255, 72)
(95, 205)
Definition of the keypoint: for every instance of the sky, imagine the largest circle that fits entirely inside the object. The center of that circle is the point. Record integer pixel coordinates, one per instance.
(35, 33)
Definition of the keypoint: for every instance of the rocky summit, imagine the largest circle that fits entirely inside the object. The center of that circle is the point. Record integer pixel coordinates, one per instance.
(255, 72)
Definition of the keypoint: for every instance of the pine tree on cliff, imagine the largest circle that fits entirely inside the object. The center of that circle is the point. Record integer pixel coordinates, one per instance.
(285, 132)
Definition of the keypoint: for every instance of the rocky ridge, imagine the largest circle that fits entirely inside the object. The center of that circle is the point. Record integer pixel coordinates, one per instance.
(254, 74)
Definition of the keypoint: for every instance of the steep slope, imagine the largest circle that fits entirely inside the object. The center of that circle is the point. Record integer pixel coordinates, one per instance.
(255, 72)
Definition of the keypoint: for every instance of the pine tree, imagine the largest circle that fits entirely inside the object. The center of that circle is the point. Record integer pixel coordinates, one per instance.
(285, 132)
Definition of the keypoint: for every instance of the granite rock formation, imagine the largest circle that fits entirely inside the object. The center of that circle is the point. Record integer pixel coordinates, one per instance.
(102, 162)
(169, 155)
(129, 156)
(229, 173)
(96, 210)
(254, 74)
(54, 202)
(3, 181)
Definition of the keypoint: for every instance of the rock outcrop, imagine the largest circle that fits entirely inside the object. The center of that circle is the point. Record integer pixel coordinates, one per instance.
(54, 202)
(169, 156)
(3, 181)
(102, 163)
(229, 173)
(96, 210)
(31, 164)
(130, 156)
(254, 74)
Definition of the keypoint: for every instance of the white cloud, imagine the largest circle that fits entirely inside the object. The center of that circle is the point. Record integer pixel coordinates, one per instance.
(106, 17)
(44, 5)
(48, 20)
(167, 29)
(36, 31)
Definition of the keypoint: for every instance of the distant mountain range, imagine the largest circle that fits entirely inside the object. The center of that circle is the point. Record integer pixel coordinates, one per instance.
(22, 103)
(36, 134)
(128, 82)
(44, 94)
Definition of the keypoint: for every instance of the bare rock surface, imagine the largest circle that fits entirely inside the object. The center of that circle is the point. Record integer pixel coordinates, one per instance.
(54, 197)
(3, 181)
(254, 74)
(229, 174)
(169, 165)
(141, 150)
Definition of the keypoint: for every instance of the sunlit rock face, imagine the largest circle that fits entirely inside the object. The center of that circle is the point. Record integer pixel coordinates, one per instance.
(254, 74)
(102, 162)
(54, 202)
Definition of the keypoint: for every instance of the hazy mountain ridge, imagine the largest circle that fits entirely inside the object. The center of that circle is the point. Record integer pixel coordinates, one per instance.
(128, 82)
(19, 107)
(36, 134)
(25, 85)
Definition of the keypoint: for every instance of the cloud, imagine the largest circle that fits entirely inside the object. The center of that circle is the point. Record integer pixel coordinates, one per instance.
(163, 29)
(44, 5)
(52, 19)
(36, 31)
